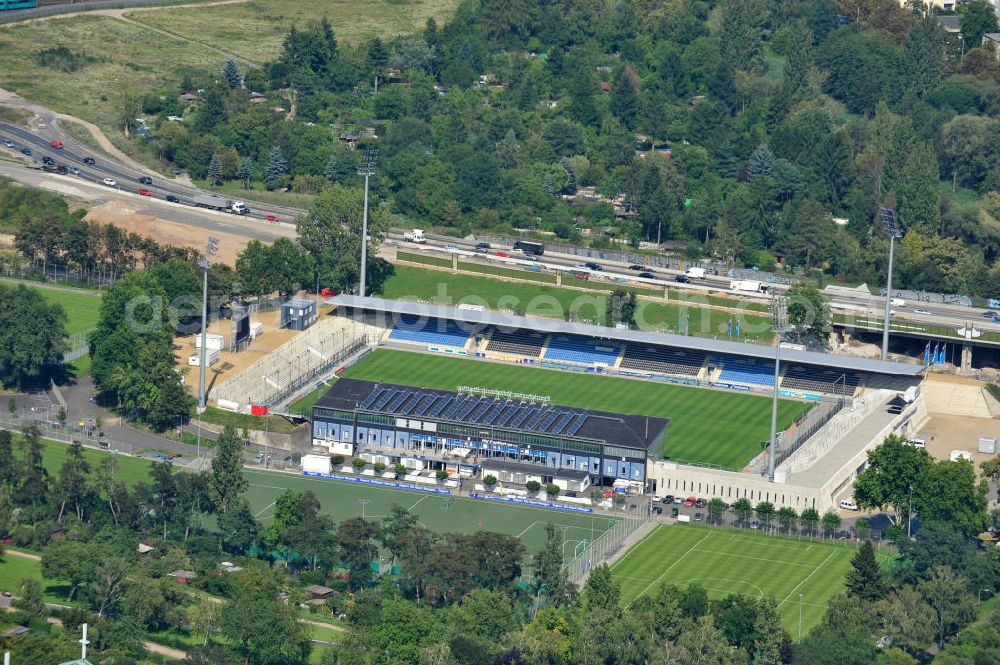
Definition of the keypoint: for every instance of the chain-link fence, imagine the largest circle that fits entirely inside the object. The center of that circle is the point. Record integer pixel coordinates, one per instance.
(606, 545)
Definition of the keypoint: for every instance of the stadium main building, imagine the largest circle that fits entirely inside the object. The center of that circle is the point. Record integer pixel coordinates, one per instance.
(465, 432)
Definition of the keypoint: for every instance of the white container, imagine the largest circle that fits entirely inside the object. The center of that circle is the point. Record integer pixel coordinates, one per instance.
(256, 328)
(960, 454)
(988, 444)
(211, 357)
(211, 342)
(316, 463)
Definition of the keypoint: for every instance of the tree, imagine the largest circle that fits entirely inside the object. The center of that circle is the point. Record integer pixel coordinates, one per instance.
(232, 74)
(276, 168)
(226, 481)
(550, 574)
(625, 96)
(106, 584)
(809, 518)
(742, 33)
(892, 476)
(809, 313)
(947, 594)
(378, 56)
(787, 517)
(34, 478)
(948, 491)
(601, 590)
(215, 169)
(237, 527)
(30, 599)
(769, 636)
(264, 631)
(919, 205)
(355, 539)
(716, 508)
(32, 338)
(765, 513)
(865, 579)
(906, 620)
(73, 486)
(394, 525)
(245, 171)
(743, 509)
(976, 19)
(761, 163)
(831, 522)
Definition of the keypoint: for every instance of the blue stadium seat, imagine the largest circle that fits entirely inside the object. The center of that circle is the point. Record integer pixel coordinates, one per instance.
(581, 350)
(746, 371)
(431, 331)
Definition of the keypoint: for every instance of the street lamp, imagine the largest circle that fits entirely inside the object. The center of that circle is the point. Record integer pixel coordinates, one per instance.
(210, 250)
(800, 616)
(891, 226)
(363, 502)
(779, 317)
(366, 169)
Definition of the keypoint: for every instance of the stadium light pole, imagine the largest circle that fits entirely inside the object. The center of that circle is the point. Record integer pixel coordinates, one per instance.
(891, 226)
(210, 250)
(366, 169)
(779, 318)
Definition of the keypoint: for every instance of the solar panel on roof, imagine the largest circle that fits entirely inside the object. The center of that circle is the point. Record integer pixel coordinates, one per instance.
(372, 396)
(466, 408)
(491, 415)
(424, 404)
(519, 417)
(411, 402)
(477, 413)
(443, 401)
(507, 414)
(548, 420)
(384, 399)
(399, 398)
(562, 422)
(577, 423)
(453, 406)
(537, 413)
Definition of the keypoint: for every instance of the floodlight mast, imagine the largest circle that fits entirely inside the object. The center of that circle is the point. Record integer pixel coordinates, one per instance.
(890, 224)
(366, 169)
(210, 250)
(779, 316)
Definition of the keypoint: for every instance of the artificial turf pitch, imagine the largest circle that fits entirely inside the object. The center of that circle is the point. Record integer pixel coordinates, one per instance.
(726, 561)
(706, 426)
(439, 513)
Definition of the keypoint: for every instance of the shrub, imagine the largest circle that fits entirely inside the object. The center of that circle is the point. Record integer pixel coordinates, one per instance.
(337, 460)
(533, 486)
(400, 471)
(552, 490)
(490, 481)
(358, 463)
(442, 475)
(379, 467)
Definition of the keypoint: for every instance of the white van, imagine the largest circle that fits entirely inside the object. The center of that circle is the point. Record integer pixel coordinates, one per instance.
(918, 443)
(848, 504)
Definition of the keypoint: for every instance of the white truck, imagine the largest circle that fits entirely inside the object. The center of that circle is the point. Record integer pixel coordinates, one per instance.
(748, 285)
(695, 273)
(221, 204)
(416, 235)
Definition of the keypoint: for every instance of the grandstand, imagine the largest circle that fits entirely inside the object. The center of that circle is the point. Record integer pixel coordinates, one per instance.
(293, 364)
(741, 370)
(429, 332)
(820, 380)
(583, 351)
(663, 360)
(520, 342)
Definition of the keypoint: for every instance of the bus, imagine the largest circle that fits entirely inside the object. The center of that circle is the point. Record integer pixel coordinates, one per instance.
(530, 247)
(6, 5)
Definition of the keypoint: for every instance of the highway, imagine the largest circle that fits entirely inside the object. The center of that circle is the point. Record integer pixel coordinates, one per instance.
(253, 225)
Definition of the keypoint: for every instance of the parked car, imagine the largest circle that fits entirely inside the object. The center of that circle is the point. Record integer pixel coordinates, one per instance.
(678, 500)
(89, 160)
(700, 503)
(171, 198)
(697, 517)
(755, 524)
(668, 498)
(271, 218)
(110, 182)
(56, 144)
(144, 192)
(657, 510)
(689, 502)
(145, 180)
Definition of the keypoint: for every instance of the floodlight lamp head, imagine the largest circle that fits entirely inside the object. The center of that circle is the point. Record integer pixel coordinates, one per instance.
(213, 246)
(368, 163)
(890, 223)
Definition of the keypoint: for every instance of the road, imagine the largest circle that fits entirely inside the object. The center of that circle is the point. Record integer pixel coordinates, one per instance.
(125, 172)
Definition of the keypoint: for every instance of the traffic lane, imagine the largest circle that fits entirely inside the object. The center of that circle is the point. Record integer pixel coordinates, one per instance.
(182, 214)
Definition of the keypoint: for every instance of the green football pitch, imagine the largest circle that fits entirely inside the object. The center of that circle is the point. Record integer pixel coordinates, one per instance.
(801, 575)
(706, 426)
(439, 513)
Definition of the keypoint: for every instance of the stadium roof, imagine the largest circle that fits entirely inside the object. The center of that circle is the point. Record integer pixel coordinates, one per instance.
(473, 320)
(503, 413)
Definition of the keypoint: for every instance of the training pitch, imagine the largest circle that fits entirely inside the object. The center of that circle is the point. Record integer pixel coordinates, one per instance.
(706, 426)
(440, 513)
(801, 575)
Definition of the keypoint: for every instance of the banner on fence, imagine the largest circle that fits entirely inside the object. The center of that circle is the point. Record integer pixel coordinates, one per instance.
(794, 393)
(377, 482)
(530, 502)
(729, 386)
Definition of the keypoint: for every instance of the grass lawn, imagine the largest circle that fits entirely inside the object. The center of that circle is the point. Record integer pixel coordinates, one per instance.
(726, 561)
(425, 259)
(241, 421)
(443, 514)
(15, 568)
(131, 470)
(305, 403)
(83, 308)
(412, 283)
(696, 433)
(81, 366)
(228, 26)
